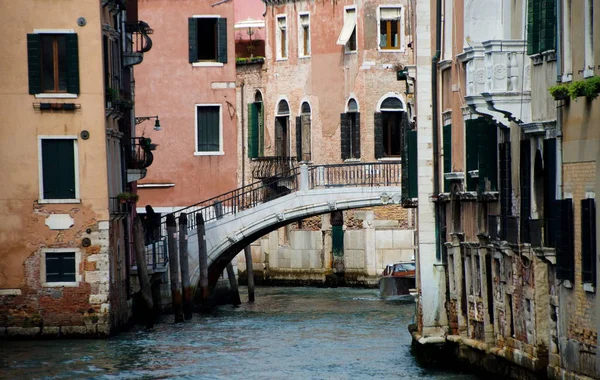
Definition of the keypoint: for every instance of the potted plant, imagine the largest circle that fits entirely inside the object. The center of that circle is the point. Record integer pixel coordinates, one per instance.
(577, 89)
(560, 91)
(592, 87)
(126, 197)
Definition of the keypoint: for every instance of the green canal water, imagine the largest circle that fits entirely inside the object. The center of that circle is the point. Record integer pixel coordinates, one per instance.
(288, 333)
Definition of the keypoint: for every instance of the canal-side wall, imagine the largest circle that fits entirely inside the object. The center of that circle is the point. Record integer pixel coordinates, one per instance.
(302, 253)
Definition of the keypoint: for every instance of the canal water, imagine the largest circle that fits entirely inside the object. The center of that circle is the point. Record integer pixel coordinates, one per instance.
(288, 333)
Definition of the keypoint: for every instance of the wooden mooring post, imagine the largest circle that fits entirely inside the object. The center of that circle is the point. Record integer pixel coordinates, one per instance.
(185, 269)
(202, 260)
(249, 273)
(142, 269)
(174, 268)
(235, 293)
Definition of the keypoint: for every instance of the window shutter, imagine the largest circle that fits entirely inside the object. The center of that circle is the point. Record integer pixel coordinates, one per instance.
(588, 240)
(72, 63)
(550, 192)
(412, 164)
(193, 39)
(58, 167)
(487, 155)
(298, 138)
(547, 25)
(379, 152)
(505, 180)
(356, 136)
(403, 128)
(222, 40)
(305, 126)
(252, 131)
(447, 146)
(261, 129)
(34, 63)
(533, 24)
(345, 135)
(565, 263)
(472, 153)
(280, 148)
(525, 185)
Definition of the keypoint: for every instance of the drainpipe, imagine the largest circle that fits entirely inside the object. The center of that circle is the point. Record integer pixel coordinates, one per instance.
(559, 109)
(435, 120)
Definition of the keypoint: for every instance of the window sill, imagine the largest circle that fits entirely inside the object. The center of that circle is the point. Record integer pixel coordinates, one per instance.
(207, 64)
(63, 201)
(349, 52)
(56, 96)
(391, 50)
(587, 73)
(281, 59)
(396, 159)
(303, 56)
(220, 153)
(350, 160)
(60, 284)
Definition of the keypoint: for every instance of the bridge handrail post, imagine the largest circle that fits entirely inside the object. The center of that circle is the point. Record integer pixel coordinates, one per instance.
(303, 177)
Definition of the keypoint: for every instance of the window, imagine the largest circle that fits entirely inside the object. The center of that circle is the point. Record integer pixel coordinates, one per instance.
(282, 138)
(208, 130)
(565, 262)
(53, 63)
(256, 128)
(304, 36)
(350, 131)
(207, 40)
(389, 28)
(588, 240)
(482, 146)
(59, 267)
(303, 139)
(541, 26)
(281, 43)
(58, 174)
(347, 36)
(390, 125)
(447, 146)
(588, 69)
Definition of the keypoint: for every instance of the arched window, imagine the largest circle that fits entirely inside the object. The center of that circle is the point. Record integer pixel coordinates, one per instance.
(258, 96)
(391, 123)
(303, 133)
(256, 127)
(282, 135)
(350, 131)
(283, 109)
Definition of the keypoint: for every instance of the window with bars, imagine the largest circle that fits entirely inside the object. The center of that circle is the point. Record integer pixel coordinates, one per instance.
(588, 240)
(208, 129)
(541, 26)
(53, 63)
(207, 39)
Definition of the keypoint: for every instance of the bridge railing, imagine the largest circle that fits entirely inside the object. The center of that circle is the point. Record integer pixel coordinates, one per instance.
(355, 174)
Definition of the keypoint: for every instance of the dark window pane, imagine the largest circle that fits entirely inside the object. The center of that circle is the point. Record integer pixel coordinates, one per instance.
(208, 129)
(60, 267)
(207, 39)
(48, 63)
(392, 104)
(283, 108)
(62, 63)
(391, 133)
(58, 169)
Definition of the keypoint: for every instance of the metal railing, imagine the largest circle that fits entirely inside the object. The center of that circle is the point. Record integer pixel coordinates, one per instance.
(269, 166)
(141, 154)
(118, 208)
(157, 254)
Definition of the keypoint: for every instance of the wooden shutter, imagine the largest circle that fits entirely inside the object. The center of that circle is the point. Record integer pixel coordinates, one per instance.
(471, 132)
(533, 25)
(378, 126)
(298, 138)
(261, 129)
(412, 165)
(72, 63)
(193, 39)
(209, 139)
(222, 40)
(280, 148)
(447, 146)
(487, 155)
(345, 135)
(252, 130)
(34, 63)
(305, 126)
(58, 169)
(565, 263)
(588, 240)
(525, 189)
(550, 192)
(547, 26)
(505, 180)
(356, 136)
(60, 267)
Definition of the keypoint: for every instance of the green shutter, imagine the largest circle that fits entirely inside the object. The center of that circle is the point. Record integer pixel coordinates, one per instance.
(72, 63)
(298, 138)
(345, 135)
(356, 136)
(193, 39)
(60, 267)
(412, 165)
(252, 130)
(222, 40)
(548, 25)
(261, 129)
(58, 169)
(472, 147)
(533, 26)
(550, 167)
(208, 129)
(447, 146)
(565, 260)
(378, 126)
(525, 189)
(34, 63)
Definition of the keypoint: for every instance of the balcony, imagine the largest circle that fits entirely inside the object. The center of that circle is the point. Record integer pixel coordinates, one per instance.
(141, 158)
(117, 209)
(273, 166)
(137, 43)
(498, 81)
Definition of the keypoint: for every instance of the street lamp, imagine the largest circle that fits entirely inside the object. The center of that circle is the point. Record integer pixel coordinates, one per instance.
(141, 119)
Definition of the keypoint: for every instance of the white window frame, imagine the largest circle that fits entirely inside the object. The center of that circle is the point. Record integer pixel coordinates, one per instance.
(50, 95)
(400, 31)
(207, 63)
(588, 65)
(278, 46)
(301, 33)
(346, 9)
(220, 152)
(78, 275)
(41, 170)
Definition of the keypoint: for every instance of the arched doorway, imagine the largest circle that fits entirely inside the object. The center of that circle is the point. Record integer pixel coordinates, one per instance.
(391, 123)
(350, 132)
(282, 138)
(303, 133)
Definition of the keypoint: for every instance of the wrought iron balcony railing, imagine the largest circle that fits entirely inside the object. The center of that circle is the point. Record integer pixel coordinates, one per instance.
(142, 156)
(267, 167)
(138, 42)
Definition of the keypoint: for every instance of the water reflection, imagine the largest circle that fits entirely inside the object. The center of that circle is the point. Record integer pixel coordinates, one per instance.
(294, 333)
